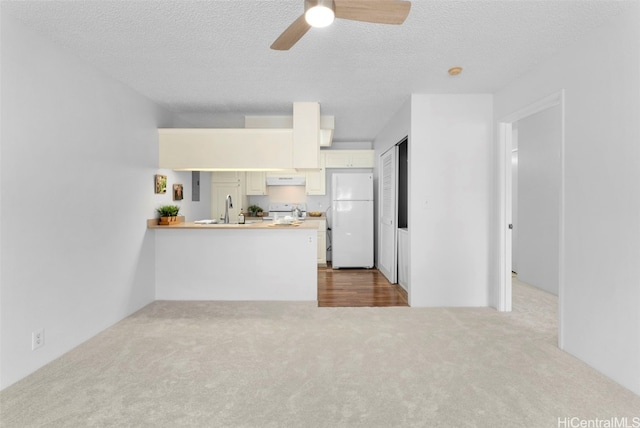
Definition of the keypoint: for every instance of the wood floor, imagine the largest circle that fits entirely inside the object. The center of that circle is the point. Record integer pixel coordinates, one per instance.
(357, 287)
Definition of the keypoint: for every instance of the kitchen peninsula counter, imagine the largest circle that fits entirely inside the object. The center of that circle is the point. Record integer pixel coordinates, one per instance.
(153, 224)
(255, 261)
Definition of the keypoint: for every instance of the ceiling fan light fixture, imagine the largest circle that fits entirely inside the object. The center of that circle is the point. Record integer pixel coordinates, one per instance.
(319, 13)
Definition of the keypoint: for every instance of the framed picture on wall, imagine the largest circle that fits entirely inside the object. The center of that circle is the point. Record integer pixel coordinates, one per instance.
(161, 183)
(177, 192)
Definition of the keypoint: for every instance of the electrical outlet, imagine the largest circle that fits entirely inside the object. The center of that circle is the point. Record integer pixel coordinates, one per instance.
(37, 339)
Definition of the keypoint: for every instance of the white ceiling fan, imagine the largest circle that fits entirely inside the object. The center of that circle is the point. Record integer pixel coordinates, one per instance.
(320, 13)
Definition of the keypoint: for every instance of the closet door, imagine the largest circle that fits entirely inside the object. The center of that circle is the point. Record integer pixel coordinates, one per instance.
(387, 241)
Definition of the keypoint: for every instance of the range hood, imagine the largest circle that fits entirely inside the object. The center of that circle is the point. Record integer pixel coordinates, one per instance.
(286, 180)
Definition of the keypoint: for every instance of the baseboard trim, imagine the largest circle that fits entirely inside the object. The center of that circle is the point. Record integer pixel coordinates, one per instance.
(402, 292)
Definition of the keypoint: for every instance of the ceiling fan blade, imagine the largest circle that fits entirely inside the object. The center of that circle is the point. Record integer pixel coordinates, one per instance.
(377, 11)
(291, 35)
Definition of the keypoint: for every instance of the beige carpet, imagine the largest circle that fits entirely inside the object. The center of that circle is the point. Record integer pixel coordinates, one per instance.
(223, 364)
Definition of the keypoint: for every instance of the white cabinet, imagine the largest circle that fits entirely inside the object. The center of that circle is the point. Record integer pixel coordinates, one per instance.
(256, 183)
(306, 134)
(226, 177)
(239, 149)
(322, 247)
(219, 192)
(349, 158)
(322, 239)
(316, 180)
(223, 184)
(327, 125)
(247, 148)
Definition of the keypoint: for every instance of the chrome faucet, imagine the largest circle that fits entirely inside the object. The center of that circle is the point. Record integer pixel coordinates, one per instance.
(227, 204)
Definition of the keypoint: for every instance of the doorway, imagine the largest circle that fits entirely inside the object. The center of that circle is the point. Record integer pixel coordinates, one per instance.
(536, 197)
(507, 129)
(403, 215)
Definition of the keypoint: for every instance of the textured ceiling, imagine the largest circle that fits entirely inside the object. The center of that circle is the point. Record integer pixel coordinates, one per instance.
(211, 62)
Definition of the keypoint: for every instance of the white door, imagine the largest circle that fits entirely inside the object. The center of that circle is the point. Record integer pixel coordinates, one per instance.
(387, 242)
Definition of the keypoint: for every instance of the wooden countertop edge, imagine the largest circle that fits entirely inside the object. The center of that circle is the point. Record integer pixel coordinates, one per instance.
(152, 223)
(181, 224)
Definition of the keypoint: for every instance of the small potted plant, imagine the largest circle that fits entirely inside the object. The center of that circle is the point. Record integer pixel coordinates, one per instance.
(255, 211)
(168, 214)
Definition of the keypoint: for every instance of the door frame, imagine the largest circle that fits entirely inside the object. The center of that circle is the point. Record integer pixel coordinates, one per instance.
(505, 140)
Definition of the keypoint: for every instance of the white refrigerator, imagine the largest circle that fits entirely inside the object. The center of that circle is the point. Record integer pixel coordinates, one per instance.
(352, 220)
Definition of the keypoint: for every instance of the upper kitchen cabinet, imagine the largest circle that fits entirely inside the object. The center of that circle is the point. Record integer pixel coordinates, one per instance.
(327, 125)
(256, 183)
(245, 149)
(316, 179)
(306, 135)
(349, 158)
(316, 182)
(229, 149)
(226, 177)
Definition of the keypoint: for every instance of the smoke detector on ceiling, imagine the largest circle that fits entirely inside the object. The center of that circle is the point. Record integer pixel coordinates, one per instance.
(454, 71)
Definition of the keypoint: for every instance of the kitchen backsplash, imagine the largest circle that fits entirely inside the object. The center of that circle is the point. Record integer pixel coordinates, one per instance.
(314, 203)
(297, 194)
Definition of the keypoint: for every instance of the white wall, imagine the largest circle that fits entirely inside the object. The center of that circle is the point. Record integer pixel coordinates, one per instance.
(78, 156)
(449, 199)
(1, 205)
(192, 211)
(538, 201)
(450, 139)
(599, 300)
